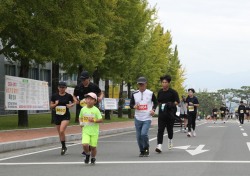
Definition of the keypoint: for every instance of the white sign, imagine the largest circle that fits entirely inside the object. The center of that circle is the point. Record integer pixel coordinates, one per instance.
(110, 104)
(26, 94)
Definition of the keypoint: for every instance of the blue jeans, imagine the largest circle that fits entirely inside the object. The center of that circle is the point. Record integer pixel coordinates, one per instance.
(142, 128)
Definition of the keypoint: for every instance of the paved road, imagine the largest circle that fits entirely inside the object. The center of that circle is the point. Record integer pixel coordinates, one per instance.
(219, 149)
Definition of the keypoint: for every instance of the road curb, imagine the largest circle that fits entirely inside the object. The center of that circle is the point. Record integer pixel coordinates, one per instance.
(17, 145)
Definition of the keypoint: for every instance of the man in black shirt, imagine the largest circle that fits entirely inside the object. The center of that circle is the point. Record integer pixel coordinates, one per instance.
(82, 89)
(168, 99)
(241, 112)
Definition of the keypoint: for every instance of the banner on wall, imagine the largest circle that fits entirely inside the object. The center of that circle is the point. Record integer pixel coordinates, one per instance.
(26, 94)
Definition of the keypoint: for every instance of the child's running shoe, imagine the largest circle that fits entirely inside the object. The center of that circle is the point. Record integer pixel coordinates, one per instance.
(87, 159)
(93, 160)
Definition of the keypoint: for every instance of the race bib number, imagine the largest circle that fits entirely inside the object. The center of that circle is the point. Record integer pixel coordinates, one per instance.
(142, 107)
(241, 111)
(215, 112)
(190, 108)
(83, 103)
(84, 120)
(60, 110)
(222, 112)
(247, 111)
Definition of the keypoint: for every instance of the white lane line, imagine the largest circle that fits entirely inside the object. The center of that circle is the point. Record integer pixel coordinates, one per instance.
(248, 145)
(244, 134)
(128, 162)
(242, 129)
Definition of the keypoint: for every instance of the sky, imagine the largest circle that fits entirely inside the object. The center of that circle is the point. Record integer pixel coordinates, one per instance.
(213, 39)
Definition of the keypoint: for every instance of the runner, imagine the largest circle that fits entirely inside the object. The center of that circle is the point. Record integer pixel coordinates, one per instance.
(227, 114)
(192, 103)
(167, 98)
(241, 112)
(81, 90)
(215, 114)
(144, 102)
(247, 112)
(90, 117)
(62, 101)
(223, 112)
(183, 112)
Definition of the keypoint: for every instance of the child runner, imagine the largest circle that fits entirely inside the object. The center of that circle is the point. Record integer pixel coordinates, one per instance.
(90, 117)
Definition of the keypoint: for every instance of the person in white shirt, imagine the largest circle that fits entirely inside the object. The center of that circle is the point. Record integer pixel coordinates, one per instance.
(144, 102)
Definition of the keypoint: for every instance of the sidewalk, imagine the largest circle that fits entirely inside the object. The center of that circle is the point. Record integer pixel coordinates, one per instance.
(27, 138)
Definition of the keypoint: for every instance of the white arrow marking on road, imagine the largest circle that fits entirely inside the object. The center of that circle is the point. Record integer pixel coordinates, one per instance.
(197, 151)
(216, 126)
(248, 144)
(182, 147)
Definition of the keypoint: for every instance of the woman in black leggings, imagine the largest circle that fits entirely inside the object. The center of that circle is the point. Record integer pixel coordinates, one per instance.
(192, 104)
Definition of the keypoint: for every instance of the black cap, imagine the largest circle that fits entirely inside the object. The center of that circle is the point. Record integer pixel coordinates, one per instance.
(62, 84)
(141, 80)
(84, 75)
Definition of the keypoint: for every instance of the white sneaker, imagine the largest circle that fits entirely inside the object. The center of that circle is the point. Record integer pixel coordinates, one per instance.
(189, 134)
(170, 144)
(194, 133)
(158, 148)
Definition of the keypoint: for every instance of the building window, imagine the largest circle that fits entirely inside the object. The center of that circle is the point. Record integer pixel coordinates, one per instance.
(10, 70)
(45, 75)
(33, 73)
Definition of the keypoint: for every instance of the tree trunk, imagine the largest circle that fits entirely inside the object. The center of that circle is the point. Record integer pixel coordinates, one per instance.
(23, 114)
(96, 76)
(129, 93)
(80, 69)
(107, 112)
(121, 100)
(55, 80)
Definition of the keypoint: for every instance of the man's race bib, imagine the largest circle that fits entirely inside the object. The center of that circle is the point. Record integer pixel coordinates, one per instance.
(142, 107)
(190, 108)
(247, 111)
(222, 112)
(60, 110)
(215, 112)
(241, 111)
(83, 103)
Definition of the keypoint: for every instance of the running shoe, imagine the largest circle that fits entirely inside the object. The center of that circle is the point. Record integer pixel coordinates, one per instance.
(87, 159)
(170, 144)
(83, 154)
(158, 148)
(189, 134)
(141, 154)
(92, 160)
(146, 152)
(194, 133)
(63, 151)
